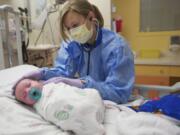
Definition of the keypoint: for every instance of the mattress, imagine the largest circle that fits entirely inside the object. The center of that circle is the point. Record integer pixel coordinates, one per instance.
(19, 119)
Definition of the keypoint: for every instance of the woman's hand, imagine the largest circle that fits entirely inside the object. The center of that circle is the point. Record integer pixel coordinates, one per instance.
(37, 75)
(73, 82)
(54, 80)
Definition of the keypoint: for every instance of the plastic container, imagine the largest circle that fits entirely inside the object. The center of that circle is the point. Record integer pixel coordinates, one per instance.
(149, 53)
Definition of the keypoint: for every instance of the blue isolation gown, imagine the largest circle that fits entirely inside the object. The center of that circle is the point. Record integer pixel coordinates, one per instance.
(107, 65)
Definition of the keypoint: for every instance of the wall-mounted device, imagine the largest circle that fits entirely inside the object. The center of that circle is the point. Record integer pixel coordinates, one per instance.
(175, 43)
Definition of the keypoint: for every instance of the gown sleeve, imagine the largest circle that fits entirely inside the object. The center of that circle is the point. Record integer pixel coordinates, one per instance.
(118, 64)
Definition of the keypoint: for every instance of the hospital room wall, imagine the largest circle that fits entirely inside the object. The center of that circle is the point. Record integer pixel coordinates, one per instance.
(129, 10)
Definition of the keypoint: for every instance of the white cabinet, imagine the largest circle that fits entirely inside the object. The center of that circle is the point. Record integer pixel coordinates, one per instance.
(105, 8)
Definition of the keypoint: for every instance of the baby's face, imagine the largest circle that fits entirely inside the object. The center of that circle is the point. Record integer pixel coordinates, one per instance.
(23, 88)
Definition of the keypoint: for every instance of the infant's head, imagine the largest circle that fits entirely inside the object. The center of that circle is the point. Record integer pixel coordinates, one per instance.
(24, 88)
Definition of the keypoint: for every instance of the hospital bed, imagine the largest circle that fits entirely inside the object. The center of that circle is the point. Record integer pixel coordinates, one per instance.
(18, 119)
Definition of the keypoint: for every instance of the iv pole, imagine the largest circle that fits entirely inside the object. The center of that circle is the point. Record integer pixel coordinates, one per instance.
(2, 65)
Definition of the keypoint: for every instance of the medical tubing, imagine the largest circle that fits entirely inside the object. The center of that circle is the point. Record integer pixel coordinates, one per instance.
(89, 57)
(88, 48)
(34, 94)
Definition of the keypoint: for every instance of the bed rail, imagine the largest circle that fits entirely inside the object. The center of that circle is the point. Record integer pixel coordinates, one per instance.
(162, 90)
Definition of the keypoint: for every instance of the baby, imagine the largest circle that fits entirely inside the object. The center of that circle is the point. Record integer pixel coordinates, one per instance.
(70, 108)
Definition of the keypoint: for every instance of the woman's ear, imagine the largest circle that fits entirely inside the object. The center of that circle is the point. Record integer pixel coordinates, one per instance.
(91, 15)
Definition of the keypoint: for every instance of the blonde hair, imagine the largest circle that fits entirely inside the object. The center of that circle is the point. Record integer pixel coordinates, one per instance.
(81, 7)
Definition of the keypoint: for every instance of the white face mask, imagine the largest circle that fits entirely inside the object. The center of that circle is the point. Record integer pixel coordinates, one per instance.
(81, 34)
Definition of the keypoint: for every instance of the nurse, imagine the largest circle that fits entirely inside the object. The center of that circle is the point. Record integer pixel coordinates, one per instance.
(100, 58)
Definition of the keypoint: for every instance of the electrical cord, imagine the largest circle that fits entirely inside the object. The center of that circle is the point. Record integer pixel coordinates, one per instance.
(24, 43)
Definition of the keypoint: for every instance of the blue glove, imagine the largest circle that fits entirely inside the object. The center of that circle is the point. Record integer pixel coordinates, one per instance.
(73, 82)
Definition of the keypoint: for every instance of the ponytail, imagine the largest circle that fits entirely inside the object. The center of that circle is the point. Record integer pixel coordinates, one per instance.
(98, 15)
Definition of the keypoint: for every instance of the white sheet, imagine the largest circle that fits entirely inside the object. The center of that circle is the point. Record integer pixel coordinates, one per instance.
(71, 108)
(17, 119)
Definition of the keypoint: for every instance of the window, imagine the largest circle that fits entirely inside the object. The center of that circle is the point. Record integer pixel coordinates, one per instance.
(159, 15)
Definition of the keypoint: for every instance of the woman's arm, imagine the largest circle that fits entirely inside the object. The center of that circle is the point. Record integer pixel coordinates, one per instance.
(66, 62)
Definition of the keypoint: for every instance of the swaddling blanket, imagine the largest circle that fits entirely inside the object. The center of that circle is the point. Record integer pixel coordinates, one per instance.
(71, 108)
